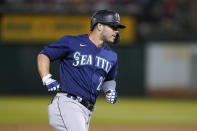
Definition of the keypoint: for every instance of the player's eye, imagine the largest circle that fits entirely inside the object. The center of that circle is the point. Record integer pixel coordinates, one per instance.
(113, 27)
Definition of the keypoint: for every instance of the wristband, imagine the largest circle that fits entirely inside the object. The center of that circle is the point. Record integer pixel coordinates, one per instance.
(45, 78)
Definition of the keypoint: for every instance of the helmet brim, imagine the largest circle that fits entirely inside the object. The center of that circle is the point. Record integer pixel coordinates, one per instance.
(115, 24)
(121, 26)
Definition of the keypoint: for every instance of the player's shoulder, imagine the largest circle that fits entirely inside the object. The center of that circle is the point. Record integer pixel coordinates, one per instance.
(110, 50)
(69, 40)
(74, 37)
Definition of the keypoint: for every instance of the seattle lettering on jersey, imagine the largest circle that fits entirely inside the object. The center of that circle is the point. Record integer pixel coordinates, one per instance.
(100, 62)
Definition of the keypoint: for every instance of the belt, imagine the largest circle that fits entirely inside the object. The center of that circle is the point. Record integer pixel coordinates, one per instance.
(87, 104)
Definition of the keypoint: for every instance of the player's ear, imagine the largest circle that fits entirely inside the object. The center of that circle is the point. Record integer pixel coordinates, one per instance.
(99, 26)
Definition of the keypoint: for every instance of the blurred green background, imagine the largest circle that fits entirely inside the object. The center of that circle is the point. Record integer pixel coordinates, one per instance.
(157, 54)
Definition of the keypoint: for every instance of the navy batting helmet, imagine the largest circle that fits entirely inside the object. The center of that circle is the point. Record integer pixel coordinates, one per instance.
(106, 17)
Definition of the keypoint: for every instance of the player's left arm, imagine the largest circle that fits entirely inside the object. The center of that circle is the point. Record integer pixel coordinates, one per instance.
(109, 85)
(109, 88)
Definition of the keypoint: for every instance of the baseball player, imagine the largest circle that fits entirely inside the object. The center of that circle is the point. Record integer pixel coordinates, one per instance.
(87, 66)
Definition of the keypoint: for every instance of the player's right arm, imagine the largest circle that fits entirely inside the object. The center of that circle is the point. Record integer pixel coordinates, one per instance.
(52, 52)
(43, 63)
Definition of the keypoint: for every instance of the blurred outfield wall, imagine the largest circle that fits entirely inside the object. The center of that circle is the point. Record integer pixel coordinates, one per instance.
(171, 68)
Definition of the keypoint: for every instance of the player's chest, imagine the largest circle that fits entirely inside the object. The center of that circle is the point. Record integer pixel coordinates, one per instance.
(97, 59)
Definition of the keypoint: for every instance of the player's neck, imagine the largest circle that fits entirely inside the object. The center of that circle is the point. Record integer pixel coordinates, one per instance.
(95, 39)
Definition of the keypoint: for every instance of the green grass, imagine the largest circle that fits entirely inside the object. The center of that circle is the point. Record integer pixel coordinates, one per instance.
(33, 110)
(147, 111)
(23, 110)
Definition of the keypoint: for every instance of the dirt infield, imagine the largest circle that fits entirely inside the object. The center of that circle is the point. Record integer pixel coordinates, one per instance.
(102, 128)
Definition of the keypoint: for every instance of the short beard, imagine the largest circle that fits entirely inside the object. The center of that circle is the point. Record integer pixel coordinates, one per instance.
(105, 40)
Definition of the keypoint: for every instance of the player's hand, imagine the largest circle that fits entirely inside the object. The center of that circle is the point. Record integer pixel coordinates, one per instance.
(111, 96)
(50, 83)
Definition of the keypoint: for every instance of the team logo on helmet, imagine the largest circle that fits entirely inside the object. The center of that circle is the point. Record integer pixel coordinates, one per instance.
(117, 16)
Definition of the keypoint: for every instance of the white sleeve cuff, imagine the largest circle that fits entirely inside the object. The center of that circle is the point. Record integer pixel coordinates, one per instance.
(109, 85)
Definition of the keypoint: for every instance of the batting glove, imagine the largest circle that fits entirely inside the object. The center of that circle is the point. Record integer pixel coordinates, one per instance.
(50, 83)
(111, 96)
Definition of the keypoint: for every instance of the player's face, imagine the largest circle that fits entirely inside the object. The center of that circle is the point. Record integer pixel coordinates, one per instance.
(109, 33)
